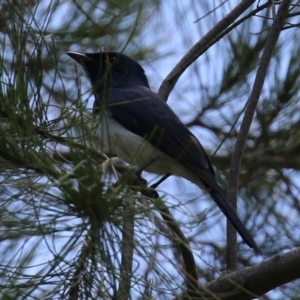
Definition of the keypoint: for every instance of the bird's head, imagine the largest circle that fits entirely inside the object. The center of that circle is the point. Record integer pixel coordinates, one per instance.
(111, 69)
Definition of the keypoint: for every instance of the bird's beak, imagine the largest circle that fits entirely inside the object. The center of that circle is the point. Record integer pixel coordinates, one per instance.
(79, 57)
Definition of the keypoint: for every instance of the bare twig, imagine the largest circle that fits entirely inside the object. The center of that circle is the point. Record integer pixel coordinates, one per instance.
(245, 126)
(196, 50)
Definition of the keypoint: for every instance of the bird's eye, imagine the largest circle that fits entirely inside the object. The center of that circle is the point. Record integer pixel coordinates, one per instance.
(112, 59)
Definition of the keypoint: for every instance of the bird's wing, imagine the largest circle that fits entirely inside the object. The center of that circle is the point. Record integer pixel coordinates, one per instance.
(144, 113)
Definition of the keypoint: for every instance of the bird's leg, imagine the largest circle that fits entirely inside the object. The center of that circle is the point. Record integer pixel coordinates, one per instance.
(157, 183)
(147, 192)
(143, 168)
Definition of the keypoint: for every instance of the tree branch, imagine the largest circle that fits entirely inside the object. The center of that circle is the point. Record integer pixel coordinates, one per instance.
(74, 291)
(170, 81)
(190, 270)
(255, 281)
(127, 250)
(246, 123)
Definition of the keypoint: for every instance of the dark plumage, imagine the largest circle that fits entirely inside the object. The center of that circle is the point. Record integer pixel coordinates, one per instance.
(139, 126)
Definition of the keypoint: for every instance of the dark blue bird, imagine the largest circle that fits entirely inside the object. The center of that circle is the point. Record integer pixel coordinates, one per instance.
(140, 127)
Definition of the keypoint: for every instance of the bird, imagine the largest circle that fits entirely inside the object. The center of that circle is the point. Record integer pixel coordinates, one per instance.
(142, 129)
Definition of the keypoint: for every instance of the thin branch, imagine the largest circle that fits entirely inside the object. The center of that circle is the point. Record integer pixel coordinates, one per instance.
(127, 250)
(236, 24)
(246, 123)
(170, 81)
(81, 266)
(190, 270)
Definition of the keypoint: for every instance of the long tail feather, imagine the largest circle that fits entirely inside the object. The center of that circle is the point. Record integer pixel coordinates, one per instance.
(230, 213)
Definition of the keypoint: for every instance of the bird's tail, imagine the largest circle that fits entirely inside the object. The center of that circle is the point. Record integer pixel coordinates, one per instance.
(231, 214)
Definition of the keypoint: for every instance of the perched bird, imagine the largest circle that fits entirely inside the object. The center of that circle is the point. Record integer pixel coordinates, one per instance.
(143, 130)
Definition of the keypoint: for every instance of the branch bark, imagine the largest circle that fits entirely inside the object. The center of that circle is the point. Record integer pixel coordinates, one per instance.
(255, 281)
(252, 282)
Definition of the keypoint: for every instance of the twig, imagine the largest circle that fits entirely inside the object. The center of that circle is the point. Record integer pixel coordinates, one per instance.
(82, 260)
(246, 123)
(127, 248)
(170, 81)
(190, 270)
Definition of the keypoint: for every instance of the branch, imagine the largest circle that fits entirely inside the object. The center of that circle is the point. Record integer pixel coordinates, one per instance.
(252, 282)
(74, 291)
(245, 126)
(190, 270)
(170, 81)
(255, 281)
(127, 250)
